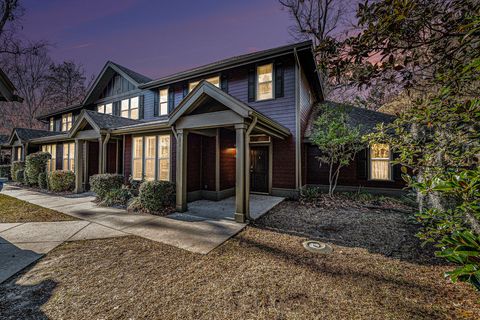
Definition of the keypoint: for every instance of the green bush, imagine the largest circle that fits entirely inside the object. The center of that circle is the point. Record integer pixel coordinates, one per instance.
(20, 176)
(35, 164)
(310, 194)
(42, 180)
(156, 196)
(117, 197)
(5, 170)
(101, 184)
(16, 166)
(61, 180)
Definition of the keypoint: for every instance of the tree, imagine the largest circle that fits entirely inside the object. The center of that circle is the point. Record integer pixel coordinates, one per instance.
(66, 84)
(431, 49)
(338, 142)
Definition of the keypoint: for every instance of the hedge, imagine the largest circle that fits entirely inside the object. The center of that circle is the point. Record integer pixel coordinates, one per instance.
(5, 171)
(156, 196)
(117, 197)
(35, 164)
(101, 184)
(20, 176)
(16, 166)
(61, 180)
(42, 180)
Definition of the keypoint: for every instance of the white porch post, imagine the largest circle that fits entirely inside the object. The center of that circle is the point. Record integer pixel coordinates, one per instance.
(181, 170)
(78, 166)
(241, 194)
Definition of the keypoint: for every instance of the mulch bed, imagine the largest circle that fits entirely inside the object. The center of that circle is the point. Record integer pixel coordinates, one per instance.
(259, 274)
(15, 210)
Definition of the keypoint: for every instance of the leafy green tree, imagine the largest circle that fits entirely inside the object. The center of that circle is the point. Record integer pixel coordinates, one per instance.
(338, 141)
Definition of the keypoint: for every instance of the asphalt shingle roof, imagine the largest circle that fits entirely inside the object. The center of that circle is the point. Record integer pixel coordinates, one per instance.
(139, 78)
(107, 121)
(27, 134)
(4, 139)
(364, 118)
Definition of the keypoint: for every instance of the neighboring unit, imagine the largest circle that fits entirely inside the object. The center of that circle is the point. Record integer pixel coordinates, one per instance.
(228, 128)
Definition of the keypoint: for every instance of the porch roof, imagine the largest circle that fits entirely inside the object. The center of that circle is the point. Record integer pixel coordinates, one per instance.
(26, 135)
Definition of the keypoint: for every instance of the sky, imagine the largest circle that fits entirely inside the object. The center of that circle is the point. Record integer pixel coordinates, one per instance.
(154, 38)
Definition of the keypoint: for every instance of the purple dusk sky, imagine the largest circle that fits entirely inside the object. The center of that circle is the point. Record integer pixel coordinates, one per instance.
(155, 38)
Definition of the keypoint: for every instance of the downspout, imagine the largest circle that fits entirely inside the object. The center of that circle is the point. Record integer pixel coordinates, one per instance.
(104, 152)
(247, 166)
(298, 134)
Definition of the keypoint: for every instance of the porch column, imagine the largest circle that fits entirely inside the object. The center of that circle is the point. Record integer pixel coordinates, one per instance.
(78, 166)
(241, 194)
(100, 155)
(181, 170)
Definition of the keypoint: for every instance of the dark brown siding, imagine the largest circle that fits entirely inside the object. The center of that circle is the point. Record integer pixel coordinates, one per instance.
(194, 162)
(92, 158)
(208, 163)
(127, 157)
(227, 159)
(111, 157)
(348, 175)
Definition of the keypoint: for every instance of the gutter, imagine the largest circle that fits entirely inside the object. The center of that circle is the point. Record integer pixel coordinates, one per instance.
(104, 152)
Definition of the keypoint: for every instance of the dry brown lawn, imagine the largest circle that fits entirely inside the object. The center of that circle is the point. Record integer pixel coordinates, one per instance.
(259, 274)
(14, 210)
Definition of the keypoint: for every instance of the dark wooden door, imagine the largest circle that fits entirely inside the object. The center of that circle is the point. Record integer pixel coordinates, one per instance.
(259, 169)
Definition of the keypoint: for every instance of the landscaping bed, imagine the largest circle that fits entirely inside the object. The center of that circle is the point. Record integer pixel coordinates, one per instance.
(14, 210)
(259, 274)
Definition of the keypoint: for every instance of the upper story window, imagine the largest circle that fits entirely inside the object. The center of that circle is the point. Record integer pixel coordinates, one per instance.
(264, 82)
(52, 124)
(213, 80)
(67, 120)
(380, 166)
(105, 108)
(163, 101)
(129, 108)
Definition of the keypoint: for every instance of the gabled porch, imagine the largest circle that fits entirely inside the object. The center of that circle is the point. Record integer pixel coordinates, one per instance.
(208, 111)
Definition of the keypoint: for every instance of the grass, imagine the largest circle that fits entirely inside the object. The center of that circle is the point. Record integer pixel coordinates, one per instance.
(14, 210)
(259, 274)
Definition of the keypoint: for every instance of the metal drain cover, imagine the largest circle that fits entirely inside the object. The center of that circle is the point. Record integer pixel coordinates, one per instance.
(317, 247)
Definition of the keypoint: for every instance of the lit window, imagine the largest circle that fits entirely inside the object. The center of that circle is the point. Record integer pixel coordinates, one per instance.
(101, 108)
(69, 156)
(164, 158)
(19, 153)
(52, 124)
(66, 121)
(153, 162)
(108, 108)
(129, 108)
(52, 149)
(163, 102)
(380, 167)
(150, 158)
(213, 80)
(137, 158)
(265, 82)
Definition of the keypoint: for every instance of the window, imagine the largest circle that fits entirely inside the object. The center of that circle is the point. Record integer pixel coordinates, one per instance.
(213, 80)
(66, 121)
(129, 108)
(265, 82)
(52, 149)
(164, 158)
(19, 153)
(380, 167)
(163, 102)
(151, 158)
(105, 108)
(69, 156)
(52, 124)
(137, 158)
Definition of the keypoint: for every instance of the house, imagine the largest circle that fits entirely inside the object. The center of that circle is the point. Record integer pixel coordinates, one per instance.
(224, 129)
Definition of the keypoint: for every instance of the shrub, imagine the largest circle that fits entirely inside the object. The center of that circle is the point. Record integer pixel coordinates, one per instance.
(5, 170)
(42, 180)
(156, 196)
(17, 165)
(35, 164)
(310, 194)
(117, 197)
(20, 176)
(101, 184)
(61, 180)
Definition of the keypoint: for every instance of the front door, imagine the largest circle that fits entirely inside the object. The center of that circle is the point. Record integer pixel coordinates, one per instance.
(259, 169)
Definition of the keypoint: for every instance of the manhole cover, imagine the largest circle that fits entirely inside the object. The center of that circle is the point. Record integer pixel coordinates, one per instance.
(317, 247)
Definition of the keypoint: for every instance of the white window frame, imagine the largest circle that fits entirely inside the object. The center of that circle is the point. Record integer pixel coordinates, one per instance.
(67, 120)
(157, 158)
(68, 156)
(163, 102)
(129, 108)
(52, 124)
(212, 80)
(151, 158)
(372, 159)
(257, 83)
